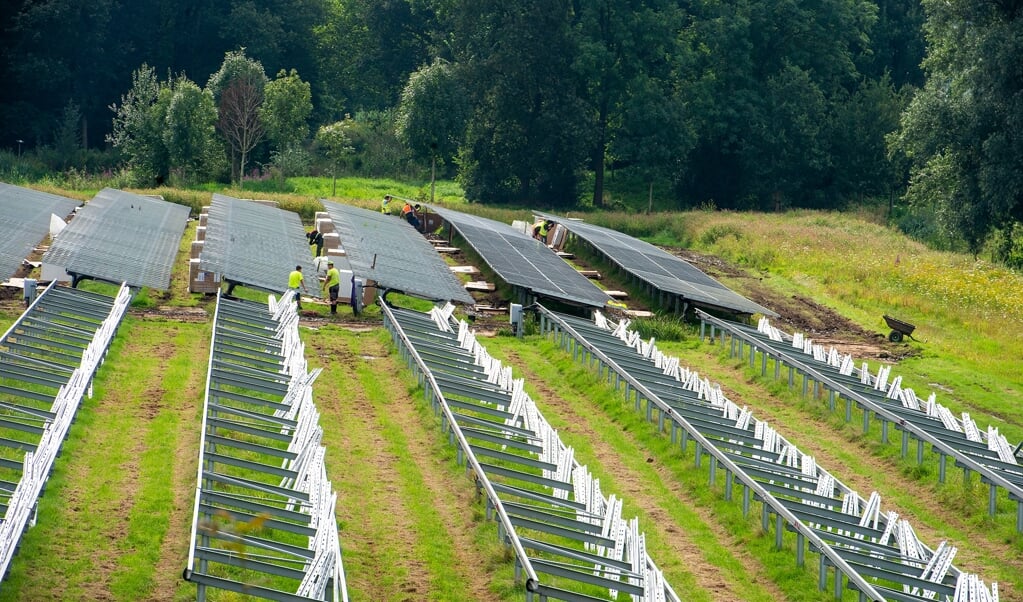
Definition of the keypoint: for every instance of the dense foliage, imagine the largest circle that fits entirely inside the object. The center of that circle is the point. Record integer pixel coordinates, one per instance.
(726, 103)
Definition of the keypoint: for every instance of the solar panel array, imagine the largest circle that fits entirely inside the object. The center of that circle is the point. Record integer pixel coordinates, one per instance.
(551, 510)
(972, 447)
(660, 269)
(522, 261)
(25, 222)
(389, 251)
(121, 237)
(877, 552)
(256, 245)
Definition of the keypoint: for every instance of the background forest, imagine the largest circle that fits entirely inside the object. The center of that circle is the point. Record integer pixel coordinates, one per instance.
(734, 104)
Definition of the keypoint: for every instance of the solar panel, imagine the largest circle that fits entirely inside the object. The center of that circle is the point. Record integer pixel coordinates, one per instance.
(256, 245)
(121, 237)
(25, 221)
(390, 252)
(522, 261)
(660, 269)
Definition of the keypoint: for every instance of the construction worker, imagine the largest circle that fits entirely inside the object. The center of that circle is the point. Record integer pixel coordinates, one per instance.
(408, 213)
(332, 285)
(385, 205)
(541, 228)
(295, 281)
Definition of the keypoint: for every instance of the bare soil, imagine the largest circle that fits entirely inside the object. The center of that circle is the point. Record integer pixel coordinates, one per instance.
(801, 314)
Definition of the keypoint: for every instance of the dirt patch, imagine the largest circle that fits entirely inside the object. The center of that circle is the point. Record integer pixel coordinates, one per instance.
(800, 314)
(364, 420)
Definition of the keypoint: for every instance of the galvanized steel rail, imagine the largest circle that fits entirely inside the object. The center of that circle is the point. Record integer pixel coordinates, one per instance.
(997, 474)
(784, 489)
(263, 522)
(500, 437)
(48, 358)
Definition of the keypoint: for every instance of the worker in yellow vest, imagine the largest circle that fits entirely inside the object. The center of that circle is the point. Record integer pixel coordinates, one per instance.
(295, 282)
(332, 285)
(541, 228)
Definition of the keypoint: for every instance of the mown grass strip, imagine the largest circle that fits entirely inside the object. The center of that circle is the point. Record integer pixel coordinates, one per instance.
(392, 516)
(150, 517)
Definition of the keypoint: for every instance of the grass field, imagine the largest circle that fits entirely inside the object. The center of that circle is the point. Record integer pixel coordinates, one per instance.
(114, 521)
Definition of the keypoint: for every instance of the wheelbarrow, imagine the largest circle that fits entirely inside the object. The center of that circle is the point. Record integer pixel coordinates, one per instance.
(899, 329)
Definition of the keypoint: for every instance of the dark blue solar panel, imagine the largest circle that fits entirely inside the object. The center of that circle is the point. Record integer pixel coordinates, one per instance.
(521, 261)
(658, 268)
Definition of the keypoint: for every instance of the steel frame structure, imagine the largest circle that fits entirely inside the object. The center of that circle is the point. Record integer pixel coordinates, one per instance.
(48, 358)
(263, 520)
(548, 508)
(872, 552)
(925, 421)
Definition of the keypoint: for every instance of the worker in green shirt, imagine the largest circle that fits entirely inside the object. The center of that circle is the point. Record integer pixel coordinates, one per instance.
(332, 285)
(295, 281)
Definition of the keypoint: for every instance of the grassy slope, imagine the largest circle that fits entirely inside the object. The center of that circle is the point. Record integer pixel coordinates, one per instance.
(116, 510)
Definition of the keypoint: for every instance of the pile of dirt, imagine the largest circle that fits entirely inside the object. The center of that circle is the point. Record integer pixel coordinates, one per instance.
(800, 314)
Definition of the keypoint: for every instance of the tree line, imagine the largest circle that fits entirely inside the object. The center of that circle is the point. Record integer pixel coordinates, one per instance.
(734, 104)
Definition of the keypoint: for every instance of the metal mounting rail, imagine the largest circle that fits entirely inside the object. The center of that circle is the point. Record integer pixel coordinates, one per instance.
(947, 443)
(263, 523)
(848, 532)
(544, 501)
(48, 358)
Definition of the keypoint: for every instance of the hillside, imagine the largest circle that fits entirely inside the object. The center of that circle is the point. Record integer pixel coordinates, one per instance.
(114, 521)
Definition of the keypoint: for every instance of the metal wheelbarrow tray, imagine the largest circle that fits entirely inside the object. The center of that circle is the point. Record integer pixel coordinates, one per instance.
(899, 329)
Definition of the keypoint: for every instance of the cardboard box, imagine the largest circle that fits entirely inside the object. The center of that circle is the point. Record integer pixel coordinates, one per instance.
(197, 246)
(325, 226)
(201, 281)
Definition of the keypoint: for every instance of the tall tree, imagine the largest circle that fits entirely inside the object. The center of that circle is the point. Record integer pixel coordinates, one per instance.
(625, 48)
(237, 90)
(286, 109)
(432, 114)
(190, 134)
(138, 126)
(527, 137)
(769, 75)
(58, 51)
(368, 50)
(239, 119)
(335, 141)
(964, 130)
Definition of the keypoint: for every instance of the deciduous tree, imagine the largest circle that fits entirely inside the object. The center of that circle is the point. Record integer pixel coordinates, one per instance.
(190, 134)
(238, 90)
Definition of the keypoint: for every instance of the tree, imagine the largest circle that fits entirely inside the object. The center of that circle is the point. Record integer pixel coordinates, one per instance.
(654, 136)
(963, 130)
(190, 134)
(367, 51)
(239, 119)
(625, 48)
(286, 109)
(336, 143)
(138, 126)
(432, 115)
(237, 90)
(527, 137)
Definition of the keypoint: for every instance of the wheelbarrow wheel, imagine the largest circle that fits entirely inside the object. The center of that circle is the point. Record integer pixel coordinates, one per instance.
(895, 336)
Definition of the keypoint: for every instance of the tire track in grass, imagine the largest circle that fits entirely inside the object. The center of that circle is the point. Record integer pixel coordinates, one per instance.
(848, 455)
(178, 443)
(404, 517)
(707, 565)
